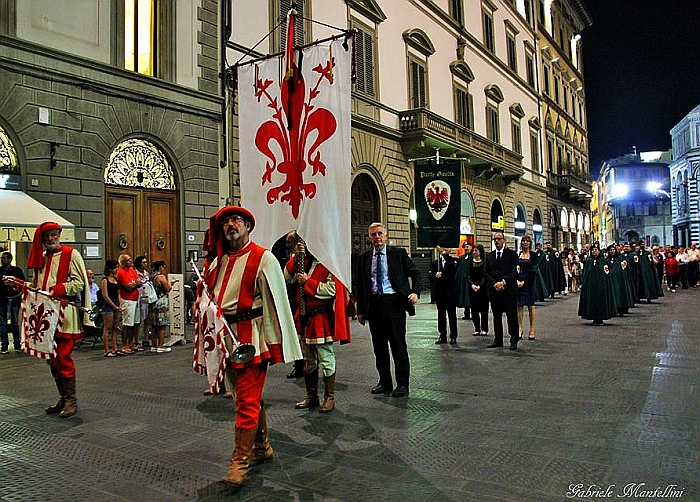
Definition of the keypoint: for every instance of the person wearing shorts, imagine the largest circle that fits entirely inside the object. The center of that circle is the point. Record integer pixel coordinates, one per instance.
(129, 296)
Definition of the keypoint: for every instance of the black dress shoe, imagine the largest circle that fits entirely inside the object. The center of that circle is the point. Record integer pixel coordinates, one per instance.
(494, 345)
(453, 341)
(295, 373)
(513, 346)
(381, 389)
(440, 340)
(400, 391)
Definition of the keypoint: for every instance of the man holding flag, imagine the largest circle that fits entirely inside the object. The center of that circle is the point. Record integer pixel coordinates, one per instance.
(61, 272)
(247, 284)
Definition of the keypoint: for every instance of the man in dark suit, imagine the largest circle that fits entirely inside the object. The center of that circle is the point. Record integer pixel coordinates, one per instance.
(501, 274)
(443, 271)
(384, 296)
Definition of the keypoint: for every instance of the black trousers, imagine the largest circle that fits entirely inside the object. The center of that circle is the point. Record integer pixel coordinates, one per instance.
(387, 325)
(447, 310)
(508, 305)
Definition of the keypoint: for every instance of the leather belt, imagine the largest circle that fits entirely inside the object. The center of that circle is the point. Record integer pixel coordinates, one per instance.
(244, 316)
(317, 310)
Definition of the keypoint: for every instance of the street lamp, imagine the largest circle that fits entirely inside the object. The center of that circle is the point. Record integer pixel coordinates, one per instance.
(655, 188)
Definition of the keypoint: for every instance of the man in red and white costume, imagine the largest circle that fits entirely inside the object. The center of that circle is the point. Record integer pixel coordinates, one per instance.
(319, 312)
(248, 286)
(61, 271)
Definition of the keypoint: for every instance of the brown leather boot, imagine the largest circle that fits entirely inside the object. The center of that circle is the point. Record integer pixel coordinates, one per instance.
(328, 394)
(240, 461)
(262, 450)
(58, 407)
(311, 399)
(70, 407)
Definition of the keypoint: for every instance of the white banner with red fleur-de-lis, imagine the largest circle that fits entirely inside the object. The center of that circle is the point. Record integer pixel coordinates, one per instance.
(41, 316)
(295, 149)
(210, 353)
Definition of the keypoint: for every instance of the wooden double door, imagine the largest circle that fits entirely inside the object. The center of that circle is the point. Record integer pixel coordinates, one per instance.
(143, 222)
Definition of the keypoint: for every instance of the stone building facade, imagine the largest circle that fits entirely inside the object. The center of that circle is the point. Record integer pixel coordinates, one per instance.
(113, 122)
(456, 79)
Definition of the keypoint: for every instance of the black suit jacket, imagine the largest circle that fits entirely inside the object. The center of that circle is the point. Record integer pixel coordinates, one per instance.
(506, 268)
(401, 268)
(445, 287)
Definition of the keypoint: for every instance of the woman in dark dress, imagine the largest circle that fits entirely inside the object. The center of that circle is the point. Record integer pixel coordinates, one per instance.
(478, 291)
(111, 310)
(527, 272)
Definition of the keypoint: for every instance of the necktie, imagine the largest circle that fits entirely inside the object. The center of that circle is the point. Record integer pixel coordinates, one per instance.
(380, 274)
(498, 255)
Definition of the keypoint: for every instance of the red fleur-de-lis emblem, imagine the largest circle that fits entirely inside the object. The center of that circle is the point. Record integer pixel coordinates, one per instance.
(208, 332)
(298, 128)
(38, 322)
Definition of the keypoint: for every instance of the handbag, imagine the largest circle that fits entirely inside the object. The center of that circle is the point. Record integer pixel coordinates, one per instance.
(150, 292)
(161, 302)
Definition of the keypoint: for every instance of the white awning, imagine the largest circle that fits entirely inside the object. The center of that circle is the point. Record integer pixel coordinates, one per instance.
(20, 215)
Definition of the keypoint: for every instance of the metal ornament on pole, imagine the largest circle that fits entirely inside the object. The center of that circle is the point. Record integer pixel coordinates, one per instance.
(243, 352)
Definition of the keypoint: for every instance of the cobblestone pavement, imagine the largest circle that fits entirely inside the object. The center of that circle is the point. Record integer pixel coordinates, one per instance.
(613, 410)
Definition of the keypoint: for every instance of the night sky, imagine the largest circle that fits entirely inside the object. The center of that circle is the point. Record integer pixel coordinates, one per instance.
(642, 73)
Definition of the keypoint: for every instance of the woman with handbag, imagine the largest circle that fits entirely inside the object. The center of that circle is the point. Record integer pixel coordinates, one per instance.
(110, 308)
(159, 313)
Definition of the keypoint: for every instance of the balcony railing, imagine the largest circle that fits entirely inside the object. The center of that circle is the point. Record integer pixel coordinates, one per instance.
(419, 124)
(571, 186)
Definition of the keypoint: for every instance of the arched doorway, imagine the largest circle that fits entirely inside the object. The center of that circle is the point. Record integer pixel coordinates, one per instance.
(537, 226)
(498, 222)
(364, 208)
(141, 210)
(466, 221)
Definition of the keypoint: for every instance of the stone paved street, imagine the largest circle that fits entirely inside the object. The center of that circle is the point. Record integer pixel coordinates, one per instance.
(600, 407)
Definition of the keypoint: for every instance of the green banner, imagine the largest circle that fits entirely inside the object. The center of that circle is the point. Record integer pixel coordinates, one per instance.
(438, 199)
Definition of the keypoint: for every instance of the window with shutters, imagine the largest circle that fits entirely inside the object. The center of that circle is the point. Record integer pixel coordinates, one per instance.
(535, 151)
(512, 52)
(487, 21)
(494, 96)
(550, 155)
(417, 82)
(302, 27)
(530, 69)
(545, 80)
(516, 134)
(462, 76)
(364, 60)
(492, 127)
(516, 115)
(464, 107)
(457, 11)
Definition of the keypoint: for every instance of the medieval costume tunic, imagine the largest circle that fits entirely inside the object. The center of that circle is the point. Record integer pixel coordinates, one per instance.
(251, 279)
(596, 302)
(319, 306)
(325, 320)
(541, 291)
(620, 284)
(552, 272)
(61, 271)
(246, 285)
(65, 275)
(648, 285)
(632, 272)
